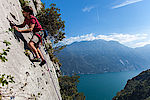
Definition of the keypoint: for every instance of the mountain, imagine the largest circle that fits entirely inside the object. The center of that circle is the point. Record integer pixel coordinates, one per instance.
(144, 52)
(138, 88)
(98, 56)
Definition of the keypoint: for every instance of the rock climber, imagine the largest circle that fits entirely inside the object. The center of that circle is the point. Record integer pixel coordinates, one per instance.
(36, 28)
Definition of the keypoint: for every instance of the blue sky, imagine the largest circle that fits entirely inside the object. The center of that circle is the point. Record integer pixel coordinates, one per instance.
(125, 21)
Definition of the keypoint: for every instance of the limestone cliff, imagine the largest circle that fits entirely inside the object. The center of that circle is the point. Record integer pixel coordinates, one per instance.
(31, 80)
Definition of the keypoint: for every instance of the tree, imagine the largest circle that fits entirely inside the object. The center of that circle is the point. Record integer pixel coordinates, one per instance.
(68, 85)
(51, 21)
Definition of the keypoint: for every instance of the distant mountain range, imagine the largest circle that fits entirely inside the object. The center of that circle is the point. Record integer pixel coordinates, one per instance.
(99, 56)
(144, 52)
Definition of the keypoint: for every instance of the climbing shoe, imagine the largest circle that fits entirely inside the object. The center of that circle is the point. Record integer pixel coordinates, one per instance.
(42, 63)
(36, 60)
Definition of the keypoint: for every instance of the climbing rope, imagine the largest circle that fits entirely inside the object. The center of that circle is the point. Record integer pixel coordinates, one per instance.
(51, 76)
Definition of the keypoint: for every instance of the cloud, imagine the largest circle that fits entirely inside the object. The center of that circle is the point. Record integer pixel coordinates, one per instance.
(141, 44)
(127, 2)
(88, 9)
(131, 40)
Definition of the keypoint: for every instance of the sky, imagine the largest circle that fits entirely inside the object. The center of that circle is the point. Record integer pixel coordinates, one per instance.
(125, 21)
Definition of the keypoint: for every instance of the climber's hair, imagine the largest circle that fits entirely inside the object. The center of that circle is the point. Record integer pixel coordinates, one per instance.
(28, 9)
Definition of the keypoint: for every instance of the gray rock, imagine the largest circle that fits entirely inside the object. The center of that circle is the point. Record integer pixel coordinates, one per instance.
(31, 80)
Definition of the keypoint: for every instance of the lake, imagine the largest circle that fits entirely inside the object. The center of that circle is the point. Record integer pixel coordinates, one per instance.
(104, 86)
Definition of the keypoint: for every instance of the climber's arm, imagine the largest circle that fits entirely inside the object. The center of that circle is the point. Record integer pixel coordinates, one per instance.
(26, 30)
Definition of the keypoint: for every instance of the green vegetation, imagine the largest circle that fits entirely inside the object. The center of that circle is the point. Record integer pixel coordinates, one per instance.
(23, 2)
(5, 51)
(51, 21)
(6, 79)
(68, 85)
(10, 29)
(27, 53)
(138, 88)
(52, 51)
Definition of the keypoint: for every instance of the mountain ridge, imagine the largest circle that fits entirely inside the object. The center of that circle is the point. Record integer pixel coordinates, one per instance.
(85, 57)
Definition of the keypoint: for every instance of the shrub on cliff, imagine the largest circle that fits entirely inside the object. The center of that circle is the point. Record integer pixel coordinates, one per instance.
(51, 21)
(23, 2)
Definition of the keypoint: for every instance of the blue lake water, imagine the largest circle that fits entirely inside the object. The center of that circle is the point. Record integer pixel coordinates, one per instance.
(104, 86)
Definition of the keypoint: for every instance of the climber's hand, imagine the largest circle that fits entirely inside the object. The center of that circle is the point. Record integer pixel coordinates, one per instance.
(16, 28)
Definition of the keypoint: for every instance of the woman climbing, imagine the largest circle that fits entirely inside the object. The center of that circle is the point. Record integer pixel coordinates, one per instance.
(36, 28)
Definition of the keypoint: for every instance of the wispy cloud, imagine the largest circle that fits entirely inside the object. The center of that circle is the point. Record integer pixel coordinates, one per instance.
(88, 9)
(131, 40)
(127, 2)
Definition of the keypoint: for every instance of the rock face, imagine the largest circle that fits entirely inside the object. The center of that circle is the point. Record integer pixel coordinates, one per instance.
(138, 88)
(31, 80)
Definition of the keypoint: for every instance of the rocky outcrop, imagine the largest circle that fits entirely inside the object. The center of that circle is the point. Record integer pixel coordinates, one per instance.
(138, 88)
(31, 80)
